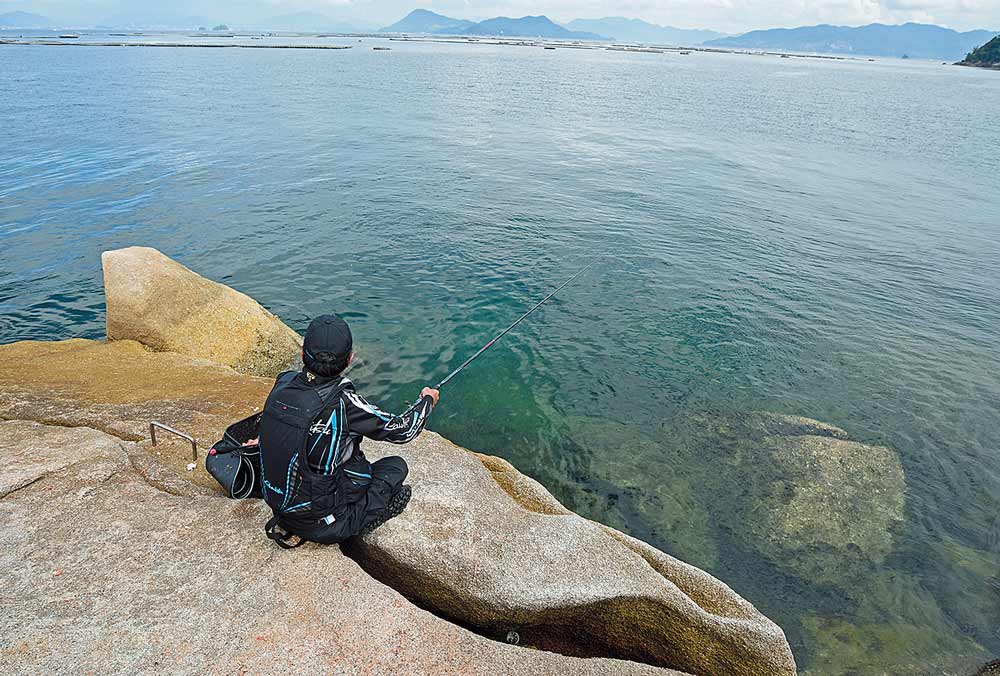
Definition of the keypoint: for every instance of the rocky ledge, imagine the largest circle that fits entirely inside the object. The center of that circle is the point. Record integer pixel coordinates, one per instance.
(120, 560)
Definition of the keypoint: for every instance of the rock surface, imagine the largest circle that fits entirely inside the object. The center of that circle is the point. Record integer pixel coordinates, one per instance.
(489, 547)
(160, 303)
(481, 544)
(991, 669)
(832, 502)
(120, 387)
(106, 574)
(813, 501)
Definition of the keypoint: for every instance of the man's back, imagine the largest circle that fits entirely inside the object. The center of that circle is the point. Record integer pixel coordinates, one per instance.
(335, 436)
(315, 476)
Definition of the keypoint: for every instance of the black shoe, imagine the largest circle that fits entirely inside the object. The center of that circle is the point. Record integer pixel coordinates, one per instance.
(397, 503)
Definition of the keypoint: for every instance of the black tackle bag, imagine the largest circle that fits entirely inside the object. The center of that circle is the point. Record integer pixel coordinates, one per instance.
(235, 466)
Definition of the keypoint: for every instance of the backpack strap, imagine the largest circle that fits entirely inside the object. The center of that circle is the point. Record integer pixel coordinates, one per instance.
(246, 480)
(330, 393)
(275, 531)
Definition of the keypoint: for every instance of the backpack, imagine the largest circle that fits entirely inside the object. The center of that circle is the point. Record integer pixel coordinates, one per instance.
(304, 502)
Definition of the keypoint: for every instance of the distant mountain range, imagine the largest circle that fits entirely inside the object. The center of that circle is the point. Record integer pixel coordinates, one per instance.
(431, 23)
(25, 20)
(427, 22)
(637, 30)
(529, 27)
(918, 41)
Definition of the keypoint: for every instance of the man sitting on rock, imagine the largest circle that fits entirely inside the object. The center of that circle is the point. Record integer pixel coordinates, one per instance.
(315, 476)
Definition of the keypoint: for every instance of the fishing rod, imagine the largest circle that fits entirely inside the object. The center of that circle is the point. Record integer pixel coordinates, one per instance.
(510, 328)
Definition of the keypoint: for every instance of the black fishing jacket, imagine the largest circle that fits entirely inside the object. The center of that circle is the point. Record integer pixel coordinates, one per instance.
(312, 468)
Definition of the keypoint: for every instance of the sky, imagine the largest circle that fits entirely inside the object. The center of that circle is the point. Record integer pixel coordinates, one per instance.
(731, 16)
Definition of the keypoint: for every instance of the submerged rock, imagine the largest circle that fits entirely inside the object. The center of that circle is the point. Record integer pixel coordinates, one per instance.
(647, 482)
(832, 502)
(991, 669)
(895, 627)
(162, 304)
(809, 499)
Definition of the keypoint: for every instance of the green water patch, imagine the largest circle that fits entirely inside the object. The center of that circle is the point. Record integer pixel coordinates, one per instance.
(895, 626)
(826, 533)
(628, 482)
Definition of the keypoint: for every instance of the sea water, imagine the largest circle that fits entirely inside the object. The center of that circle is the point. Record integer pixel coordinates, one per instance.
(794, 236)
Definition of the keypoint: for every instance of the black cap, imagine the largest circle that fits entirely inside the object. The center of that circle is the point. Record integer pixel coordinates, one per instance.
(327, 345)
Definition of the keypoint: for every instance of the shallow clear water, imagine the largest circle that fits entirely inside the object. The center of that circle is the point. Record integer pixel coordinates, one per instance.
(816, 238)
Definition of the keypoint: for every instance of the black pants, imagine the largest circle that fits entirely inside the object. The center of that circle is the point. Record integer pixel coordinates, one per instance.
(366, 503)
(388, 475)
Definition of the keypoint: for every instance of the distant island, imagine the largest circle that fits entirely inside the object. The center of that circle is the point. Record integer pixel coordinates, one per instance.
(636, 30)
(424, 21)
(25, 20)
(987, 56)
(912, 40)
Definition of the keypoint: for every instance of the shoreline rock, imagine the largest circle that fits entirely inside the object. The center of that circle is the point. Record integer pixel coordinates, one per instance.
(471, 551)
(158, 302)
(107, 574)
(481, 545)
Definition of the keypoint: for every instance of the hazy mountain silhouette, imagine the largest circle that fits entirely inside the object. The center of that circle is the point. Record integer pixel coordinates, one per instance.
(529, 27)
(25, 20)
(914, 40)
(637, 30)
(425, 21)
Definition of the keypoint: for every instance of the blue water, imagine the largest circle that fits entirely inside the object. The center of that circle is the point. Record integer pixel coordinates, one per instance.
(815, 238)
